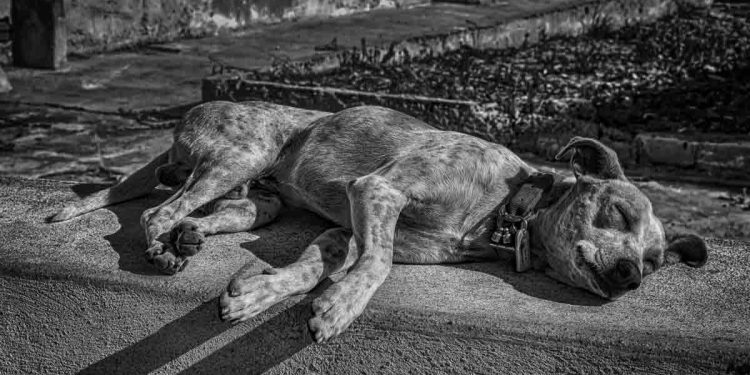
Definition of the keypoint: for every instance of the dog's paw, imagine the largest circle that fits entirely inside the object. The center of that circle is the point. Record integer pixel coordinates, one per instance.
(154, 251)
(335, 310)
(248, 297)
(165, 259)
(187, 238)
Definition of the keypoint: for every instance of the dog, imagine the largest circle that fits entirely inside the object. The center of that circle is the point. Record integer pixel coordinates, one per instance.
(398, 190)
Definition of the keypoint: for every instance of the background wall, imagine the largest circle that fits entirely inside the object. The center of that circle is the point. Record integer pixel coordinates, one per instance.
(95, 25)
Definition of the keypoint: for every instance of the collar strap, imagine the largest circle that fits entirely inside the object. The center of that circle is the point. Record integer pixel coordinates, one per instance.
(511, 232)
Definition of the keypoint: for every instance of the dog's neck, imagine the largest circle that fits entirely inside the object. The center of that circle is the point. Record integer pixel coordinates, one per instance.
(478, 239)
(559, 189)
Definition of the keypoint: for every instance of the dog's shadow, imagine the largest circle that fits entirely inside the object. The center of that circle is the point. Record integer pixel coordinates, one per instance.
(534, 283)
(129, 241)
(272, 342)
(262, 348)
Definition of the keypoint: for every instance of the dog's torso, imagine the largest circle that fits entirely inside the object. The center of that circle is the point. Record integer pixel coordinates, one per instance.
(453, 181)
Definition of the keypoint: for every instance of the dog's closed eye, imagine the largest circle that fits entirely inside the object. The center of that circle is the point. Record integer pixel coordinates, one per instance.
(623, 217)
(615, 216)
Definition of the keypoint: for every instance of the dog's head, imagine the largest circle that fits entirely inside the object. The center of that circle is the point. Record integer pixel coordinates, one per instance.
(600, 233)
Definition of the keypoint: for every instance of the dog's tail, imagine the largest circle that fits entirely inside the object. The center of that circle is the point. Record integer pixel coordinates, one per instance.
(138, 184)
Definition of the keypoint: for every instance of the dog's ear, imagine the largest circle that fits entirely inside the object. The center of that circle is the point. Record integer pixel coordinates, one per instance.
(687, 248)
(591, 157)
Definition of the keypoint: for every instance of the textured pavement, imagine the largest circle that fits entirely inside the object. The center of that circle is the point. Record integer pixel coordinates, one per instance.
(78, 297)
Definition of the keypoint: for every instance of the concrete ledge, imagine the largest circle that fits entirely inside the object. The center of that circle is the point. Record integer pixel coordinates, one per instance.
(722, 159)
(725, 163)
(79, 298)
(458, 115)
(564, 18)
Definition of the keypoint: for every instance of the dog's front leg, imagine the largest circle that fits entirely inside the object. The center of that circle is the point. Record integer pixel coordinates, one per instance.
(375, 206)
(249, 294)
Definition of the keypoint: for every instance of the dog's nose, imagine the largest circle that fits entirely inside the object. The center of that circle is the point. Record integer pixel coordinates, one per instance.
(625, 275)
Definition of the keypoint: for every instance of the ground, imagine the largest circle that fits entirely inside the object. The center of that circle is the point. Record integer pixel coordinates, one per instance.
(81, 297)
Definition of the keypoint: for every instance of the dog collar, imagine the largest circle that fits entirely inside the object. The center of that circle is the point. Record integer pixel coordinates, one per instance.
(513, 215)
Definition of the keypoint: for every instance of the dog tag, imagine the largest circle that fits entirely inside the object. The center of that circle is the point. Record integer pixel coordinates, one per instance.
(523, 252)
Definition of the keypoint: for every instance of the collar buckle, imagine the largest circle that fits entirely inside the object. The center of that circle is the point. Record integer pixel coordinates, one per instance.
(511, 229)
(511, 236)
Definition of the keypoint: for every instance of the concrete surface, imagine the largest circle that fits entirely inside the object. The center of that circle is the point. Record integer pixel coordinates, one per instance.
(78, 297)
(386, 35)
(167, 75)
(97, 26)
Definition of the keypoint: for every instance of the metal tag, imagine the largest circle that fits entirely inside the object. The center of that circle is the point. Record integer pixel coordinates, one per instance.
(511, 236)
(523, 252)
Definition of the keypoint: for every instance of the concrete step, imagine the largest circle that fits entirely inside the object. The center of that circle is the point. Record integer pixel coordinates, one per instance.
(77, 296)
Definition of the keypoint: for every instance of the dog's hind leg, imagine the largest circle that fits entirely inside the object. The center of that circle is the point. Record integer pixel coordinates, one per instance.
(249, 294)
(211, 179)
(138, 184)
(257, 208)
(375, 207)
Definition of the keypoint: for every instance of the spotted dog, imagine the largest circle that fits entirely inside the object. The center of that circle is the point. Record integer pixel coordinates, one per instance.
(398, 190)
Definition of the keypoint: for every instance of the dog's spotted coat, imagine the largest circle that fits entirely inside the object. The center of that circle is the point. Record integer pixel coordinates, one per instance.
(398, 190)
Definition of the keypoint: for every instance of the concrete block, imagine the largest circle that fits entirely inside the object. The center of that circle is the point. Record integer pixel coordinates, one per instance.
(4, 83)
(724, 156)
(655, 149)
(39, 33)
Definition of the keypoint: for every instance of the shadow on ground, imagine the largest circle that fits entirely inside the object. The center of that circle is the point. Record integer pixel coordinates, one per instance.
(535, 283)
(129, 241)
(256, 351)
(264, 347)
